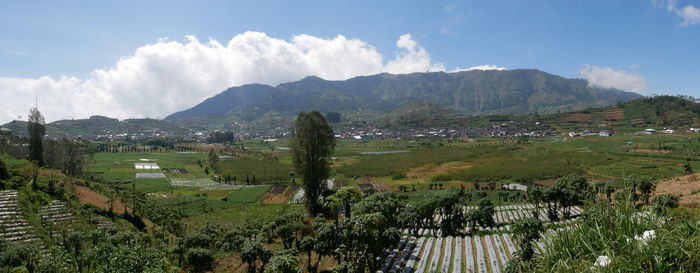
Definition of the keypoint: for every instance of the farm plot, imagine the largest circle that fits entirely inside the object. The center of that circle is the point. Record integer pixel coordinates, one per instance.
(204, 184)
(13, 226)
(469, 254)
(57, 216)
(298, 197)
(176, 170)
(278, 189)
(508, 214)
(150, 175)
(248, 194)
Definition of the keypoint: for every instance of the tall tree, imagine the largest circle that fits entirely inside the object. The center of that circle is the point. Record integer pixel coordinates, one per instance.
(37, 130)
(4, 174)
(312, 146)
(527, 231)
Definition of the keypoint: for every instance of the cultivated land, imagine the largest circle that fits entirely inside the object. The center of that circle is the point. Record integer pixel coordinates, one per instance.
(425, 167)
(203, 194)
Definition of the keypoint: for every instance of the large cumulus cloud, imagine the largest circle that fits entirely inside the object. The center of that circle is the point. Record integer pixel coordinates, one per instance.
(168, 76)
(608, 77)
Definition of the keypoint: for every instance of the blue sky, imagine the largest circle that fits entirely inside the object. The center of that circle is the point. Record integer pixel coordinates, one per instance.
(655, 41)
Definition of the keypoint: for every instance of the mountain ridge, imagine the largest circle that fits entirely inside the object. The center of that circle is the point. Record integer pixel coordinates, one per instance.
(477, 92)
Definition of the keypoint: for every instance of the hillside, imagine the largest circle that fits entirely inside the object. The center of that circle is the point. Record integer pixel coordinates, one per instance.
(99, 125)
(658, 112)
(675, 112)
(468, 93)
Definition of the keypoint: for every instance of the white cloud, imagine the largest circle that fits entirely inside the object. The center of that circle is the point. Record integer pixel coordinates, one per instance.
(481, 67)
(607, 77)
(413, 58)
(168, 76)
(689, 13)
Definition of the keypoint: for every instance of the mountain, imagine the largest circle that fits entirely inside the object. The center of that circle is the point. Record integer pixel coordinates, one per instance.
(475, 93)
(99, 125)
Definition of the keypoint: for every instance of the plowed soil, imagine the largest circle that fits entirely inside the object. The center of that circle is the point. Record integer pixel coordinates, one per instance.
(683, 186)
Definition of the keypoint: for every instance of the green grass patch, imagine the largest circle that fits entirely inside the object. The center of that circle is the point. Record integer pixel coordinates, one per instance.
(248, 194)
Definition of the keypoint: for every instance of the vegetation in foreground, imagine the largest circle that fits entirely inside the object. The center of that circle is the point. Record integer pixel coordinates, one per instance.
(352, 228)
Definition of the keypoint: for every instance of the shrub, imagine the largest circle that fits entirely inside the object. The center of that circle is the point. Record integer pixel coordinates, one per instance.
(200, 259)
(398, 176)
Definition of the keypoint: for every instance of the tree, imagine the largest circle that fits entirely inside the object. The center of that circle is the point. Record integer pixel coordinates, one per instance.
(485, 213)
(687, 168)
(252, 252)
(37, 129)
(346, 196)
(572, 190)
(364, 238)
(284, 262)
(312, 147)
(665, 201)
(646, 186)
(388, 204)
(535, 196)
(4, 174)
(608, 190)
(640, 185)
(308, 244)
(201, 259)
(527, 231)
(451, 212)
(213, 159)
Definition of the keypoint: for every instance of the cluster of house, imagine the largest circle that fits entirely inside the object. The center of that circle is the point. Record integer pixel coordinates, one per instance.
(189, 136)
(503, 130)
(518, 129)
(667, 131)
(648, 131)
(591, 133)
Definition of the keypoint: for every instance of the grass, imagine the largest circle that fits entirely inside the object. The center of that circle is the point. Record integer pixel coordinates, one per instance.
(248, 194)
(240, 213)
(609, 231)
(265, 171)
(155, 185)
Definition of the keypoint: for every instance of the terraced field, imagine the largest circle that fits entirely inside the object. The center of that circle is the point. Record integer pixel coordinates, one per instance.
(13, 226)
(468, 254)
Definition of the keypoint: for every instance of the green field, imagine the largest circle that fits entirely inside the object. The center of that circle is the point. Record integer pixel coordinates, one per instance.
(249, 194)
(424, 164)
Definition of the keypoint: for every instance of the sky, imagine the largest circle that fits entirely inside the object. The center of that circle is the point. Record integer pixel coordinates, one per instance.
(148, 58)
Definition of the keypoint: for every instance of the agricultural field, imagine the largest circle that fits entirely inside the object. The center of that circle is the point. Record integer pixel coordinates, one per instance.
(422, 165)
(418, 170)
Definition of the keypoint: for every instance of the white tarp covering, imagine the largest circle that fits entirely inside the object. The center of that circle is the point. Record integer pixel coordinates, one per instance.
(146, 166)
(150, 175)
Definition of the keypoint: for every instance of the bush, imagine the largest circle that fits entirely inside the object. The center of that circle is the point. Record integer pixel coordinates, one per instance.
(200, 259)
(441, 178)
(398, 176)
(607, 230)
